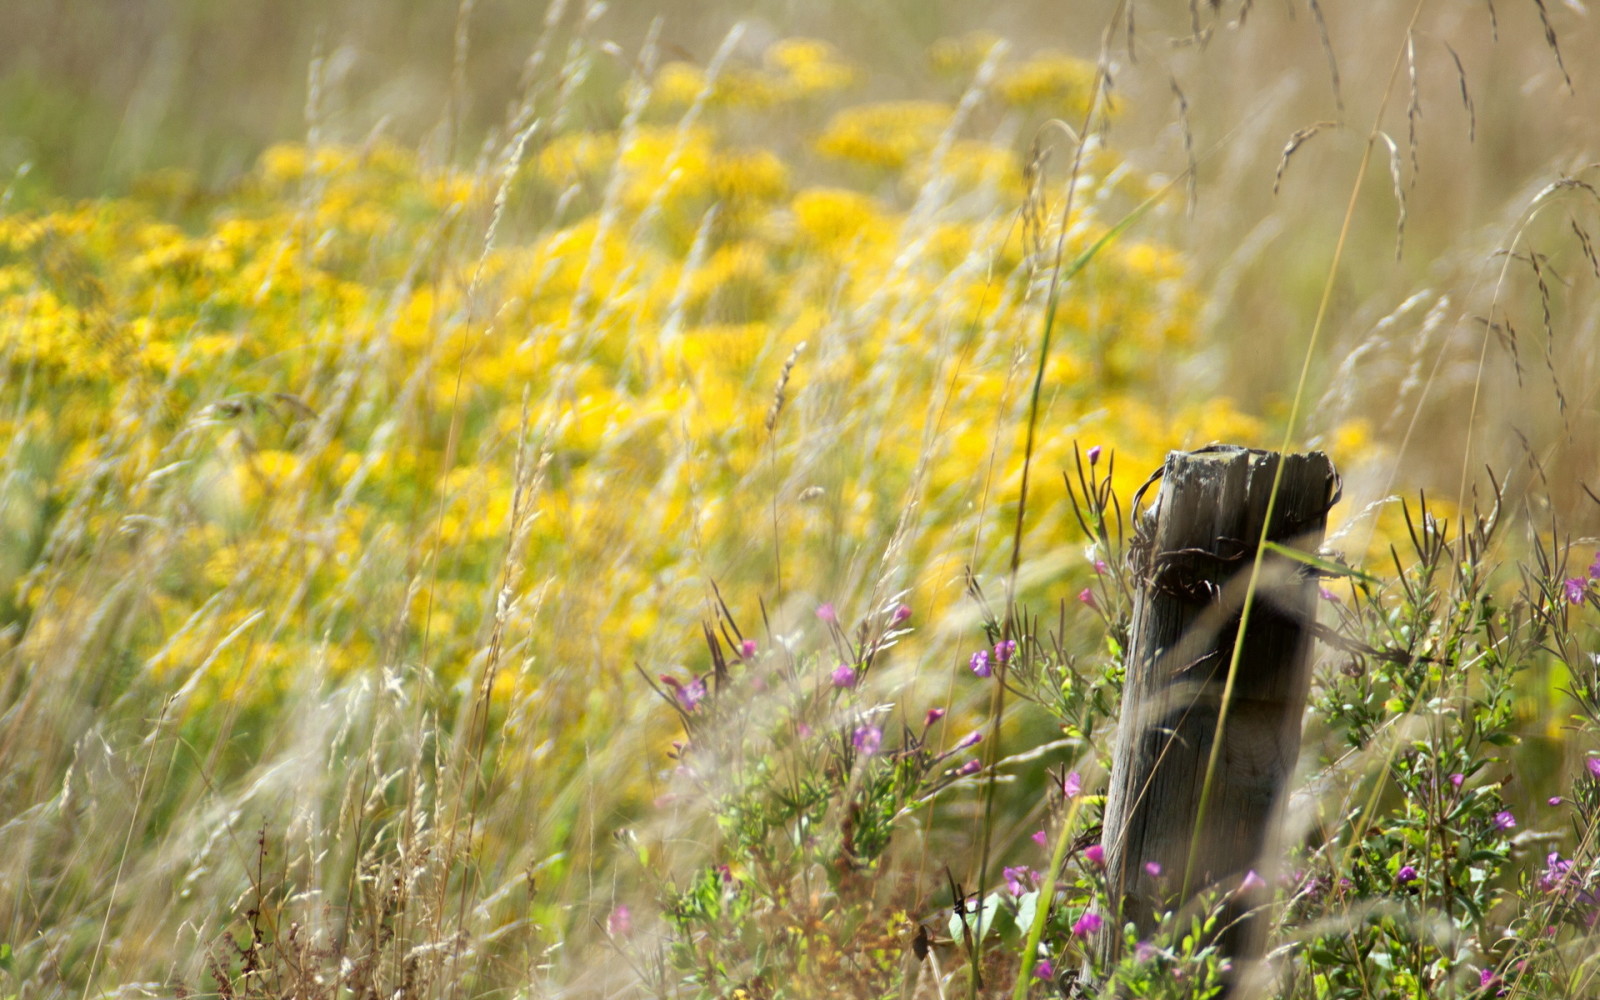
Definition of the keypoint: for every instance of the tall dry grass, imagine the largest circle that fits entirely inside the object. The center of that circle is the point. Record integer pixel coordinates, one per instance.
(329, 584)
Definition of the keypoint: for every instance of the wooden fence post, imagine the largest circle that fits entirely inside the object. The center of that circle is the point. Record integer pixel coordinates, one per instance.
(1192, 564)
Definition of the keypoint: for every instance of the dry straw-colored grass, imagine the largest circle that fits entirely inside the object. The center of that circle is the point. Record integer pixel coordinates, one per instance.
(343, 495)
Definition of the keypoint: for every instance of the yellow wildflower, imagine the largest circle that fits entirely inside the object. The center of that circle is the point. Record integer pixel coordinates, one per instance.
(1062, 84)
(885, 135)
(833, 218)
(962, 56)
(810, 67)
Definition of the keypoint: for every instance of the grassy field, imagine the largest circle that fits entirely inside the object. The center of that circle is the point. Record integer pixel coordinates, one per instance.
(568, 501)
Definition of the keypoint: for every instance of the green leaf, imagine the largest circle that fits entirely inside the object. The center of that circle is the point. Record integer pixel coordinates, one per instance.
(1320, 564)
(1026, 905)
(991, 911)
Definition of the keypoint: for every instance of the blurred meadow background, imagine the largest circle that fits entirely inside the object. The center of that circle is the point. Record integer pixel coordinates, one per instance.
(507, 499)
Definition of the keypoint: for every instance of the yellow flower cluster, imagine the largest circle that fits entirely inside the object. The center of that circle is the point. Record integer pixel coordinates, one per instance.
(795, 69)
(323, 424)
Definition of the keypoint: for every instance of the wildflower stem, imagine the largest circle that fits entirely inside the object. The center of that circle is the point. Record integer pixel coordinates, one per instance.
(1047, 886)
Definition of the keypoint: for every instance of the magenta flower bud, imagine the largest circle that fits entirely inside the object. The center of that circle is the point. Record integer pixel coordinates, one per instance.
(747, 648)
(1041, 838)
(972, 766)
(827, 614)
(1005, 649)
(972, 739)
(1153, 869)
(1086, 596)
(1504, 820)
(1096, 854)
(1045, 970)
(1406, 875)
(901, 613)
(1089, 923)
(1457, 779)
(844, 676)
(934, 715)
(1094, 455)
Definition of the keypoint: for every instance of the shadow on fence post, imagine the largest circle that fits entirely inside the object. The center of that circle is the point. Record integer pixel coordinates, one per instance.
(1192, 564)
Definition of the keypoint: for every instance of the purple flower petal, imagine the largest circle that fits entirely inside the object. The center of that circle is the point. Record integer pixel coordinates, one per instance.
(980, 663)
(1577, 588)
(867, 739)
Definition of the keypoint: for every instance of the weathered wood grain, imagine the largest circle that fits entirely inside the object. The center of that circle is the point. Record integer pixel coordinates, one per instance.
(1195, 550)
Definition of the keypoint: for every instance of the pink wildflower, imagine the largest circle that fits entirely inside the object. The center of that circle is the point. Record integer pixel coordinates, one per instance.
(980, 663)
(1019, 879)
(867, 740)
(620, 922)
